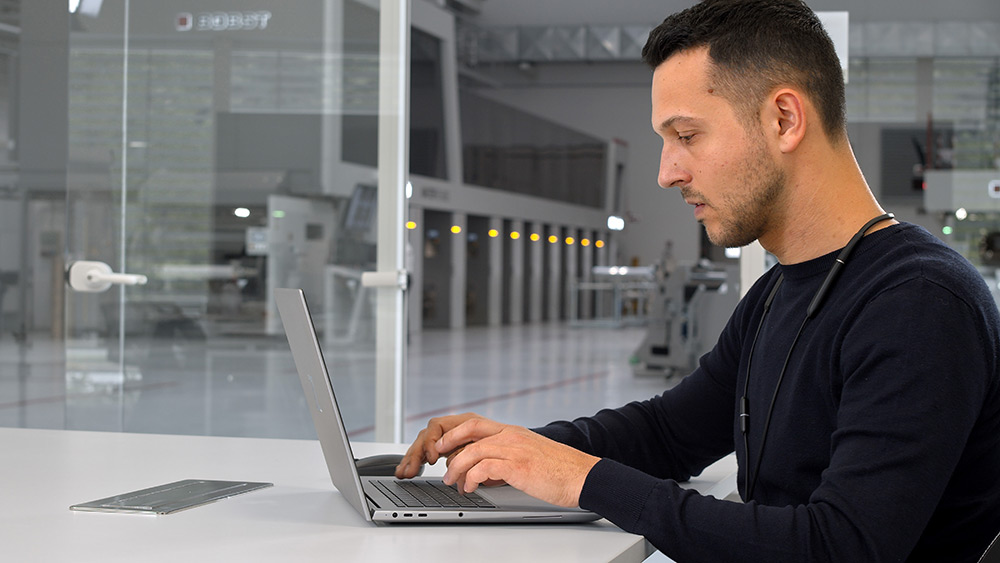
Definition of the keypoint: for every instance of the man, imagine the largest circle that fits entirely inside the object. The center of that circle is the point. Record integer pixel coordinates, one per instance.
(866, 421)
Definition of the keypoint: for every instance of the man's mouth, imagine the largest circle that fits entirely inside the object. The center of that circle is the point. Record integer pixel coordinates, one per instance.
(699, 208)
(691, 198)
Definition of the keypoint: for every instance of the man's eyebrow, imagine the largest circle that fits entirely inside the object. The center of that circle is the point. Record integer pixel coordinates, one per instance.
(678, 119)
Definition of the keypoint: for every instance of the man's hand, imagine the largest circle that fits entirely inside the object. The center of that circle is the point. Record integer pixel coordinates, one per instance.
(424, 448)
(541, 467)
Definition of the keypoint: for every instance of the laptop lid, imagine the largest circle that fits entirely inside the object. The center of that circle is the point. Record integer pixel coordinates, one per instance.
(315, 380)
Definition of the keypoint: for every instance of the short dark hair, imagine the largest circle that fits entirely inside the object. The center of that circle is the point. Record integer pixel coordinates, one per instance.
(756, 46)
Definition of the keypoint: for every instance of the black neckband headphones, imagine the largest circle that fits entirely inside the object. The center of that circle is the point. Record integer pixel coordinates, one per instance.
(814, 305)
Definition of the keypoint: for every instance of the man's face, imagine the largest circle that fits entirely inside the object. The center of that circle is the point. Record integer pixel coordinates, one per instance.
(721, 167)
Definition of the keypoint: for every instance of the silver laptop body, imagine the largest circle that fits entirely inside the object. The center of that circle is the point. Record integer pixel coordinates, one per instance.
(506, 504)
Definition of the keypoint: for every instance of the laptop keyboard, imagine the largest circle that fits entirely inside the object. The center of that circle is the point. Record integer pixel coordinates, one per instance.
(429, 494)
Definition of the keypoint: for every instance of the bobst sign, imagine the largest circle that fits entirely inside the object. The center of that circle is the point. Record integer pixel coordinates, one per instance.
(222, 21)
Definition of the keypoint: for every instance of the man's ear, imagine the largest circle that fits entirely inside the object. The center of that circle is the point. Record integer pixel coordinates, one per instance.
(785, 113)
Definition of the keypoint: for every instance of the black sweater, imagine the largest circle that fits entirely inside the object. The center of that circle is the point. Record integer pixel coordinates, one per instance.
(884, 443)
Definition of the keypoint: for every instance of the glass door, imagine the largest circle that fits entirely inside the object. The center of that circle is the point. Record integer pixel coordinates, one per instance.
(216, 151)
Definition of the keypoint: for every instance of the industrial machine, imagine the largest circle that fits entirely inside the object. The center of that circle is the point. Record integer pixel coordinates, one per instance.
(687, 310)
(969, 203)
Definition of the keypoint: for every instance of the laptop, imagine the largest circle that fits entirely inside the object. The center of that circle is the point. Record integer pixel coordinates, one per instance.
(387, 499)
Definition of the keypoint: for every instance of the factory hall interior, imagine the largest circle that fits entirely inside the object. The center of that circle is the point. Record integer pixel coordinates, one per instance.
(468, 202)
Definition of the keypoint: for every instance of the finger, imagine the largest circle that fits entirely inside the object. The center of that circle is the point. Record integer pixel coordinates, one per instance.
(423, 450)
(413, 459)
(431, 436)
(436, 428)
(485, 472)
(451, 455)
(469, 431)
(458, 464)
(472, 455)
(408, 468)
(488, 483)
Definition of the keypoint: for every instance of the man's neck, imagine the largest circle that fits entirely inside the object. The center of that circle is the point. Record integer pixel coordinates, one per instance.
(825, 208)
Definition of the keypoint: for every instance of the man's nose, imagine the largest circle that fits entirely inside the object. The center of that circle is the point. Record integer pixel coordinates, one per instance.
(672, 174)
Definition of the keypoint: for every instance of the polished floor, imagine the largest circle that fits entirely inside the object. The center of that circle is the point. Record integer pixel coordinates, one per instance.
(246, 385)
(528, 375)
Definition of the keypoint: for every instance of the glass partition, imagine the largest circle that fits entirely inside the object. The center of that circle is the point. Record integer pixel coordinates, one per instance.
(209, 151)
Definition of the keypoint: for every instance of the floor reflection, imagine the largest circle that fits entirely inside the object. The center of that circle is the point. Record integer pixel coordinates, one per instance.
(245, 385)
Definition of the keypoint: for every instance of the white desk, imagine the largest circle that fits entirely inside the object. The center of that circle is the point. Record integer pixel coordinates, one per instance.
(301, 518)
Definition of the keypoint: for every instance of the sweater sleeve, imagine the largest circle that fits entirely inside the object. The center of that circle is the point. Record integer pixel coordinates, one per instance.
(906, 412)
(674, 435)
(679, 433)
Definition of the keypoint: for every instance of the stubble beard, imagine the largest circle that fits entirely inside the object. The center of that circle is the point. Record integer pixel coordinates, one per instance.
(744, 215)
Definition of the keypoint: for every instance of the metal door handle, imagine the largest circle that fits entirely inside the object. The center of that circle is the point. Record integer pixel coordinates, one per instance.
(384, 279)
(94, 277)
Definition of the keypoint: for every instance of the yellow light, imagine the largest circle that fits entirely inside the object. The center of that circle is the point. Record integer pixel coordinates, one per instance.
(514, 235)
(585, 242)
(599, 244)
(535, 237)
(411, 225)
(493, 233)
(455, 229)
(570, 240)
(553, 239)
